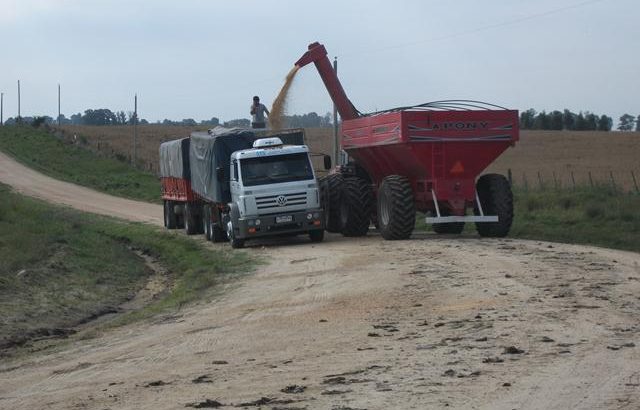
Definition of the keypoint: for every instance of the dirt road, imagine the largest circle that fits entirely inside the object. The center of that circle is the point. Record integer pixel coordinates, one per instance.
(430, 322)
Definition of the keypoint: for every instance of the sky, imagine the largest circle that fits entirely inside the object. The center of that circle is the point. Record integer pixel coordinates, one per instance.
(202, 59)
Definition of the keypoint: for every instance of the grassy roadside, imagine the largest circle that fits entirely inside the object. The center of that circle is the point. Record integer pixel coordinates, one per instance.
(52, 156)
(60, 268)
(589, 216)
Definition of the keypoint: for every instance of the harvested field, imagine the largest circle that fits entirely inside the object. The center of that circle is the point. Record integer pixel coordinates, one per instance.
(537, 158)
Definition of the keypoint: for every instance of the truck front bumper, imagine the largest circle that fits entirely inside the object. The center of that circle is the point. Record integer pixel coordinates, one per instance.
(285, 223)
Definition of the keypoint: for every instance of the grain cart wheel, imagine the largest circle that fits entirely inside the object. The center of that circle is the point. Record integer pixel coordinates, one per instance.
(170, 217)
(356, 200)
(496, 198)
(331, 186)
(450, 227)
(396, 208)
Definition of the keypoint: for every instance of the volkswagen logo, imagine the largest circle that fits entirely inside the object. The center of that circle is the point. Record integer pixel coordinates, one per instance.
(281, 200)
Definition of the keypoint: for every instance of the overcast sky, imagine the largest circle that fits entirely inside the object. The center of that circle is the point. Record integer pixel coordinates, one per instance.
(200, 59)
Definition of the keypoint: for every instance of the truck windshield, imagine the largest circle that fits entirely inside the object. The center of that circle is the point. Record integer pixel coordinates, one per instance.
(275, 169)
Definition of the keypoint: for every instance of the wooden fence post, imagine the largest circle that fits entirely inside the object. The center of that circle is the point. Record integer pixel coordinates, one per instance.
(573, 180)
(613, 181)
(510, 177)
(540, 180)
(555, 180)
(525, 182)
(635, 183)
(590, 179)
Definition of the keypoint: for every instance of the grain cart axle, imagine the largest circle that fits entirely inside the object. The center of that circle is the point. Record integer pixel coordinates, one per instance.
(424, 158)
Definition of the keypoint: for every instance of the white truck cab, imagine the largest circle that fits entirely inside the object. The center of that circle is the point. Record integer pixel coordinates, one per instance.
(273, 191)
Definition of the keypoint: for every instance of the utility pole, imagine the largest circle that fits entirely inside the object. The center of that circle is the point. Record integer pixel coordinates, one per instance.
(58, 104)
(335, 120)
(19, 99)
(135, 129)
(1, 109)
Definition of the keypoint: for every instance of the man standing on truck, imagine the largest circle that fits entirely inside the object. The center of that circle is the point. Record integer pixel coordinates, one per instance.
(257, 111)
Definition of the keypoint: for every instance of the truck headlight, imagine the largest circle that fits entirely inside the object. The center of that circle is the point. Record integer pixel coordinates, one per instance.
(258, 222)
(309, 216)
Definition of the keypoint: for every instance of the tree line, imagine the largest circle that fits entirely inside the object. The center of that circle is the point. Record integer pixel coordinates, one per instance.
(570, 121)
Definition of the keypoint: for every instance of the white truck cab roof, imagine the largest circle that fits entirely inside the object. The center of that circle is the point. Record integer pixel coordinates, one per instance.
(269, 150)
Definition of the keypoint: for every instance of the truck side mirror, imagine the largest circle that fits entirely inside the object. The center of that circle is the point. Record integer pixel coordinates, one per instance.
(220, 174)
(327, 162)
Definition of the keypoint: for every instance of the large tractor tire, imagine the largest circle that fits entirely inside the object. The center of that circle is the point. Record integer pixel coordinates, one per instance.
(192, 218)
(170, 217)
(396, 208)
(448, 227)
(496, 198)
(331, 188)
(356, 201)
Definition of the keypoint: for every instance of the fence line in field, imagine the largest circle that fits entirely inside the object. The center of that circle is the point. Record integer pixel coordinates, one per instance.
(619, 181)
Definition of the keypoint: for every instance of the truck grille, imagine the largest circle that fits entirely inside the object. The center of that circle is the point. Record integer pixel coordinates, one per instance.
(275, 201)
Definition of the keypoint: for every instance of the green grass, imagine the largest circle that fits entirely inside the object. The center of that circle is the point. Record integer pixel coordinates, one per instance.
(593, 216)
(590, 216)
(52, 156)
(59, 267)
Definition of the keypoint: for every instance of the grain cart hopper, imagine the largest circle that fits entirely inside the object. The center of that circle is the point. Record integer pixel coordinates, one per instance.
(423, 158)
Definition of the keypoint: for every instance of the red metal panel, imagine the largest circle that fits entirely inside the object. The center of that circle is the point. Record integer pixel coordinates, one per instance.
(440, 150)
(177, 189)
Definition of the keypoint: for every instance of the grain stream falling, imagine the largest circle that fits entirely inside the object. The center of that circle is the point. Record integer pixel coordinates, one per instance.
(276, 115)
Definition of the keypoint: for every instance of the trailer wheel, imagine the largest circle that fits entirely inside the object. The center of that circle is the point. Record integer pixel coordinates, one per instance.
(170, 217)
(449, 227)
(355, 207)
(206, 222)
(396, 208)
(331, 187)
(217, 233)
(192, 219)
(316, 235)
(496, 198)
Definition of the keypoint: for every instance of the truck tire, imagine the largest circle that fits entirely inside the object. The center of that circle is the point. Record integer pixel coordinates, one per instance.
(449, 227)
(170, 217)
(236, 243)
(356, 201)
(316, 235)
(217, 233)
(396, 208)
(496, 198)
(192, 219)
(331, 187)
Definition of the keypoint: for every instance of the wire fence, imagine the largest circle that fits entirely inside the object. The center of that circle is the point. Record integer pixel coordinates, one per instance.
(617, 181)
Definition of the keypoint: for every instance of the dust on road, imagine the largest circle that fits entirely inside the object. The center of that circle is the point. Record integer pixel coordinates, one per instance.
(430, 322)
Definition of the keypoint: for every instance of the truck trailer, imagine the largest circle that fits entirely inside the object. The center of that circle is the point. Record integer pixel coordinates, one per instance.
(238, 184)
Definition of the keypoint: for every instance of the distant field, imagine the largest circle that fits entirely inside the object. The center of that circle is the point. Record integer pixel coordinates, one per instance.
(547, 153)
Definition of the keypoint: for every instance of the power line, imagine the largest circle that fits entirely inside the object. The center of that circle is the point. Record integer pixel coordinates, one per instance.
(481, 28)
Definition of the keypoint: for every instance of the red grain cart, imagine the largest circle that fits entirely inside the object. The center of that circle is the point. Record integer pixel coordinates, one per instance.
(423, 158)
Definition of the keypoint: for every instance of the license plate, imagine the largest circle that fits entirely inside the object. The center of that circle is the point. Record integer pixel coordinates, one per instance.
(284, 219)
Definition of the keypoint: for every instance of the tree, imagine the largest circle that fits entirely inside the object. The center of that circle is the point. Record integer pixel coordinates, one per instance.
(541, 121)
(581, 123)
(591, 121)
(556, 121)
(626, 122)
(242, 123)
(605, 123)
(527, 118)
(568, 120)
(101, 116)
(638, 123)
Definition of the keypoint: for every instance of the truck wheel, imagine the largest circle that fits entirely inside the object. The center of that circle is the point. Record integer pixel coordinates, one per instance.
(449, 227)
(217, 233)
(496, 198)
(355, 207)
(331, 186)
(396, 208)
(316, 235)
(170, 217)
(236, 243)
